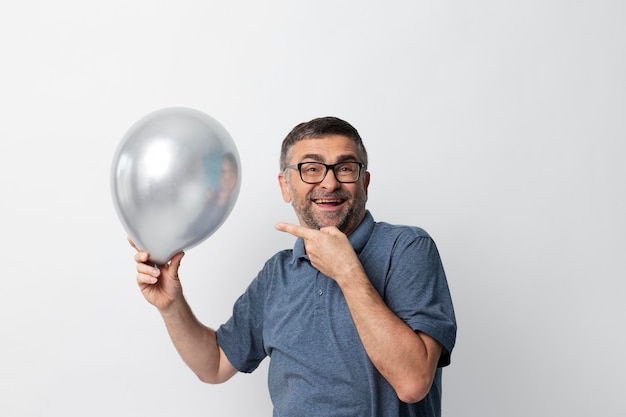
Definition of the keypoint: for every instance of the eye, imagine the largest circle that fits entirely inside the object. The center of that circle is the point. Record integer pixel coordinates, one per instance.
(347, 168)
(311, 168)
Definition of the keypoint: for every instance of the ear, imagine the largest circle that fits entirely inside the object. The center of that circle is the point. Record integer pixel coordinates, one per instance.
(284, 187)
(367, 182)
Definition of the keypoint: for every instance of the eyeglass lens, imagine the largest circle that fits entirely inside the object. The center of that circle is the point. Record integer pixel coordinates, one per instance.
(313, 172)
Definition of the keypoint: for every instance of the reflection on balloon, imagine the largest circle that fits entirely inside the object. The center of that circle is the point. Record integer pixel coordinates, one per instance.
(174, 180)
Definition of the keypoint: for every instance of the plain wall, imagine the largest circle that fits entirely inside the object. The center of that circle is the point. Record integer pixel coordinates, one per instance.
(497, 126)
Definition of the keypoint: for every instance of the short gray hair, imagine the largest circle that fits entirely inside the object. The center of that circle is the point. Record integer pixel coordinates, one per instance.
(318, 128)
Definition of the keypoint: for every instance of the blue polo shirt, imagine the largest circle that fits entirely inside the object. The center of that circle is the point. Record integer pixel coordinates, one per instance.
(298, 316)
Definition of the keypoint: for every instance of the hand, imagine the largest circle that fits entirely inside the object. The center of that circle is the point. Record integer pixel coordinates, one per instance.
(329, 250)
(159, 285)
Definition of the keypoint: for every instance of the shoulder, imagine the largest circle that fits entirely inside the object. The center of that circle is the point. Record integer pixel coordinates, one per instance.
(393, 232)
(277, 267)
(403, 243)
(279, 260)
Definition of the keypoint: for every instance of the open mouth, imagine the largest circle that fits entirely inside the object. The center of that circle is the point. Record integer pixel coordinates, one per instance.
(328, 201)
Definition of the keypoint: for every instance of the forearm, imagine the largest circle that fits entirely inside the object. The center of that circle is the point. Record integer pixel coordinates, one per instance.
(406, 359)
(196, 343)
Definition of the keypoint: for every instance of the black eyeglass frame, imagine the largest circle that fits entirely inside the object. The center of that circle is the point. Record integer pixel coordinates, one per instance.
(298, 167)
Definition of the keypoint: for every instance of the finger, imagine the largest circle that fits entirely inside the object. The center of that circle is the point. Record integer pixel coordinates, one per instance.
(330, 230)
(146, 279)
(148, 269)
(175, 264)
(132, 243)
(176, 259)
(142, 257)
(295, 230)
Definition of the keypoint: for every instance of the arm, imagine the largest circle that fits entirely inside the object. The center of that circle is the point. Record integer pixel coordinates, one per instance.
(406, 359)
(196, 343)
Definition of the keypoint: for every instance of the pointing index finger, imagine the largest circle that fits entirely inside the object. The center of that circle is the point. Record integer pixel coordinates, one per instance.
(297, 231)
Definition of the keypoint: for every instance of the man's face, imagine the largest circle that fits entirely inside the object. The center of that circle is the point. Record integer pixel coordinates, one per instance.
(329, 203)
(228, 180)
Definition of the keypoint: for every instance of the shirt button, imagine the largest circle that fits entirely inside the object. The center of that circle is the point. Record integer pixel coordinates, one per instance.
(320, 292)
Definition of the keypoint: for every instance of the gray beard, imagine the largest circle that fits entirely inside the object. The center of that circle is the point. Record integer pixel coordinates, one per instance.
(343, 220)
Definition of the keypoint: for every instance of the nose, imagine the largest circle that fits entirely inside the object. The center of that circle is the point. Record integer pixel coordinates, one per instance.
(330, 181)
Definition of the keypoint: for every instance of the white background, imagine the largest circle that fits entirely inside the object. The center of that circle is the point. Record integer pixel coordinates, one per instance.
(498, 126)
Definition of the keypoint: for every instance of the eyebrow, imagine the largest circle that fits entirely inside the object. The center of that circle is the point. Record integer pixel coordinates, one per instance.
(341, 158)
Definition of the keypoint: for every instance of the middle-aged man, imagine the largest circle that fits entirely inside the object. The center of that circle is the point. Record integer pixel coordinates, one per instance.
(357, 318)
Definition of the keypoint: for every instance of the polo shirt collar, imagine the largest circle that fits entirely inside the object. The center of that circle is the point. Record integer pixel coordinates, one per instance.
(357, 239)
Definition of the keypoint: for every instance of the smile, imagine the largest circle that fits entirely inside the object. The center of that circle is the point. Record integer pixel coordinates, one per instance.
(328, 201)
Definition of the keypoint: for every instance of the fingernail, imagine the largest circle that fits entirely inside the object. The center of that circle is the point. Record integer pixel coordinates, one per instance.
(155, 272)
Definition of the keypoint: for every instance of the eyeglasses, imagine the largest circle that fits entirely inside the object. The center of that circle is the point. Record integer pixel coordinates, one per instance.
(315, 172)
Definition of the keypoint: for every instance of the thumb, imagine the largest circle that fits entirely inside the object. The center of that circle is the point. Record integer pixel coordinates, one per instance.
(330, 230)
(175, 264)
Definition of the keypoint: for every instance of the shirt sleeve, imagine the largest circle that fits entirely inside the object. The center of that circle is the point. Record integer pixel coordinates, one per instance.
(417, 290)
(241, 337)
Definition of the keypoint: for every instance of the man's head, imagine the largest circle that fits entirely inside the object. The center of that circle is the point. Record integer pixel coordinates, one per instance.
(228, 180)
(337, 198)
(316, 128)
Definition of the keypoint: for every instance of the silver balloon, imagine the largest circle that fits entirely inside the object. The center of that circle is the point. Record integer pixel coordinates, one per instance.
(174, 180)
